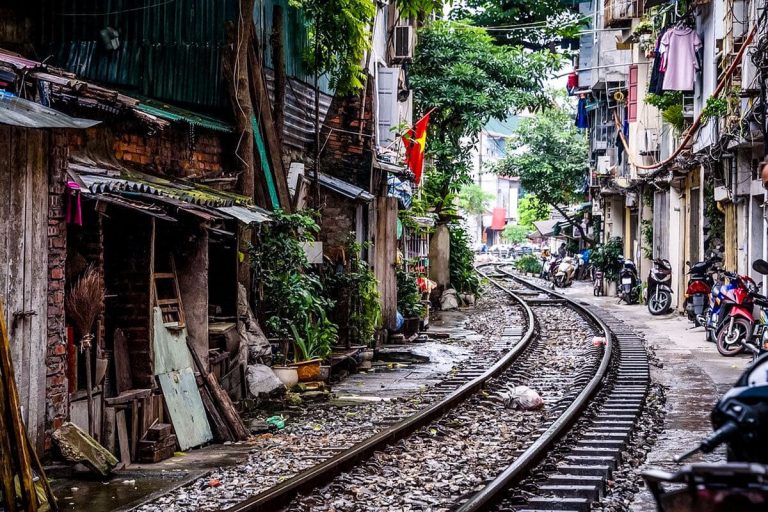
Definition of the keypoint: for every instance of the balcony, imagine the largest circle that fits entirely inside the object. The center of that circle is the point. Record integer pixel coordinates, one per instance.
(619, 13)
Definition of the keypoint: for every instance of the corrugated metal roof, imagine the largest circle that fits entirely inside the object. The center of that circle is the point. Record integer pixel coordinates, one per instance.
(17, 61)
(172, 113)
(20, 112)
(344, 188)
(249, 215)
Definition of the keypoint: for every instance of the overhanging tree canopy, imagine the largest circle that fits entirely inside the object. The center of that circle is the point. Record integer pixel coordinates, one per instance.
(550, 156)
(468, 79)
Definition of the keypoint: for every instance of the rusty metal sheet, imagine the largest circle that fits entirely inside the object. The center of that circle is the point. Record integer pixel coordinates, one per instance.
(185, 406)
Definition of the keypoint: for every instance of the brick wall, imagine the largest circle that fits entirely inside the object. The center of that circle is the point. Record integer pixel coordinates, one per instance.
(339, 218)
(56, 382)
(345, 154)
(174, 150)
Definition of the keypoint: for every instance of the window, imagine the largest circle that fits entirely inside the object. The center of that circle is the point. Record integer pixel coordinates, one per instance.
(632, 99)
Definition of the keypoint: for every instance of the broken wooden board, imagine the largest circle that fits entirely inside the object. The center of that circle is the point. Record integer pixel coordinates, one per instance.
(170, 347)
(77, 446)
(185, 407)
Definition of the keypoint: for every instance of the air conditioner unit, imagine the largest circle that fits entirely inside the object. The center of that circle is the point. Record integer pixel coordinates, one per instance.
(403, 42)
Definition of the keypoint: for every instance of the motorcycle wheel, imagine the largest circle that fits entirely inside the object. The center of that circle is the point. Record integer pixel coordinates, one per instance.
(659, 302)
(729, 340)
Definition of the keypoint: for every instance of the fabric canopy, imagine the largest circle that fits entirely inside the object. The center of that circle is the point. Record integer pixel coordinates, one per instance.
(499, 219)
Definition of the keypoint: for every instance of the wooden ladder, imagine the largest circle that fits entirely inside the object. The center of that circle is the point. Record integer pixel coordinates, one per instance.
(170, 306)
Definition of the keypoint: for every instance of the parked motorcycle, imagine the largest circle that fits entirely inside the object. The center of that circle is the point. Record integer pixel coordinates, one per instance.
(717, 296)
(740, 421)
(735, 321)
(565, 273)
(748, 318)
(549, 269)
(659, 293)
(629, 282)
(700, 283)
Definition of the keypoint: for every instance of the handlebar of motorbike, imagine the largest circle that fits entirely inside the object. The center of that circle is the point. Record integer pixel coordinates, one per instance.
(713, 440)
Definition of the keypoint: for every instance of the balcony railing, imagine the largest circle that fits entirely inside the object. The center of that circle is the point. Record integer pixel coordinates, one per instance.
(619, 13)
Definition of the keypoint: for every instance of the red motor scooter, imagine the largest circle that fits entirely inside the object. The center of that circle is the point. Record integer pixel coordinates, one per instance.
(736, 315)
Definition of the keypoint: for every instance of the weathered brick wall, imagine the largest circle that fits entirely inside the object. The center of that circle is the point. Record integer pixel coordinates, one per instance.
(56, 381)
(173, 151)
(339, 218)
(346, 154)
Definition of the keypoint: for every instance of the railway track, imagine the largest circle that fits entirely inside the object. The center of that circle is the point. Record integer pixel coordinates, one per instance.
(618, 370)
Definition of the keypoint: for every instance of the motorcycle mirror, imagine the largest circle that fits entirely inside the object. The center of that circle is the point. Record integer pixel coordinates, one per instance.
(760, 266)
(688, 263)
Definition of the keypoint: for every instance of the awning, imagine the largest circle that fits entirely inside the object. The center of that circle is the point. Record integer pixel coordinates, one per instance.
(161, 197)
(28, 114)
(171, 113)
(499, 219)
(546, 228)
(343, 188)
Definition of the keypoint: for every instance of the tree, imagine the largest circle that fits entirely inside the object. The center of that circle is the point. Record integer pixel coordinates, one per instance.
(473, 200)
(515, 233)
(467, 79)
(549, 155)
(530, 209)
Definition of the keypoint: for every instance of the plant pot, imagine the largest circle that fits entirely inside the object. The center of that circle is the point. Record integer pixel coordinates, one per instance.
(367, 354)
(325, 373)
(287, 375)
(411, 326)
(308, 371)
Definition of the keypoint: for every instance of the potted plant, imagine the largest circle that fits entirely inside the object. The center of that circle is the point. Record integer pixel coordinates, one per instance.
(311, 345)
(409, 302)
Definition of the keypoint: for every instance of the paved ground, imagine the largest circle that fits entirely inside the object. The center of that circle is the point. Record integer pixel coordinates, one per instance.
(691, 369)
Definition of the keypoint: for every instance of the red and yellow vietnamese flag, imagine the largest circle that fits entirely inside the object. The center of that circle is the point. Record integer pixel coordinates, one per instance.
(415, 144)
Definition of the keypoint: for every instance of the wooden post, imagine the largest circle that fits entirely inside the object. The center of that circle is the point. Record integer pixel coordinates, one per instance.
(278, 63)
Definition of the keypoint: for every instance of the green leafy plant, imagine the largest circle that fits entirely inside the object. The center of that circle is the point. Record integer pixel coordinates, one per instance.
(474, 200)
(354, 289)
(515, 233)
(530, 209)
(664, 100)
(528, 263)
(645, 26)
(674, 116)
(605, 257)
(408, 295)
(464, 279)
(289, 294)
(646, 229)
(315, 338)
(715, 107)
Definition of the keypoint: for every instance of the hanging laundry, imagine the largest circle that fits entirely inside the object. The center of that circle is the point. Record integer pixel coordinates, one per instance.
(657, 75)
(74, 208)
(582, 119)
(572, 84)
(678, 48)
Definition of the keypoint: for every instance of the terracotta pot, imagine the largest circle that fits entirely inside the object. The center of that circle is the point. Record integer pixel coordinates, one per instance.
(308, 371)
(287, 375)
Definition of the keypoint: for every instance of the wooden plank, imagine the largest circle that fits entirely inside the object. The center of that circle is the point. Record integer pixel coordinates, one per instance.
(36, 280)
(16, 258)
(122, 437)
(185, 407)
(109, 429)
(135, 434)
(123, 379)
(218, 425)
(6, 214)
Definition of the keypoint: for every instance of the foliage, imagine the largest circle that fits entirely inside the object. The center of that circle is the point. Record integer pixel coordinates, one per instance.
(664, 100)
(356, 288)
(419, 8)
(528, 263)
(548, 21)
(530, 210)
(645, 26)
(340, 31)
(605, 257)
(674, 116)
(464, 279)
(473, 200)
(515, 233)
(550, 156)
(646, 229)
(288, 293)
(467, 79)
(408, 295)
(315, 338)
(715, 217)
(715, 108)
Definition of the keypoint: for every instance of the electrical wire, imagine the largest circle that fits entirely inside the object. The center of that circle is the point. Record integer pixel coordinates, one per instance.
(121, 11)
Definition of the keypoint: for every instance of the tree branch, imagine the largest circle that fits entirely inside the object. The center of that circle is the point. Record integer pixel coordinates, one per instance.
(577, 225)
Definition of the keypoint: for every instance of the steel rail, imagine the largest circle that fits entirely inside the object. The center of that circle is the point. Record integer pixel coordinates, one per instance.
(280, 495)
(526, 461)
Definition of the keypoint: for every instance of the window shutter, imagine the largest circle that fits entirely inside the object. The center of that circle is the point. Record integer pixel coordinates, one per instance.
(388, 107)
(632, 100)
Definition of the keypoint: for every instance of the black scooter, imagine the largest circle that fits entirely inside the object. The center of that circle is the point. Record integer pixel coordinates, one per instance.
(629, 282)
(740, 421)
(659, 298)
